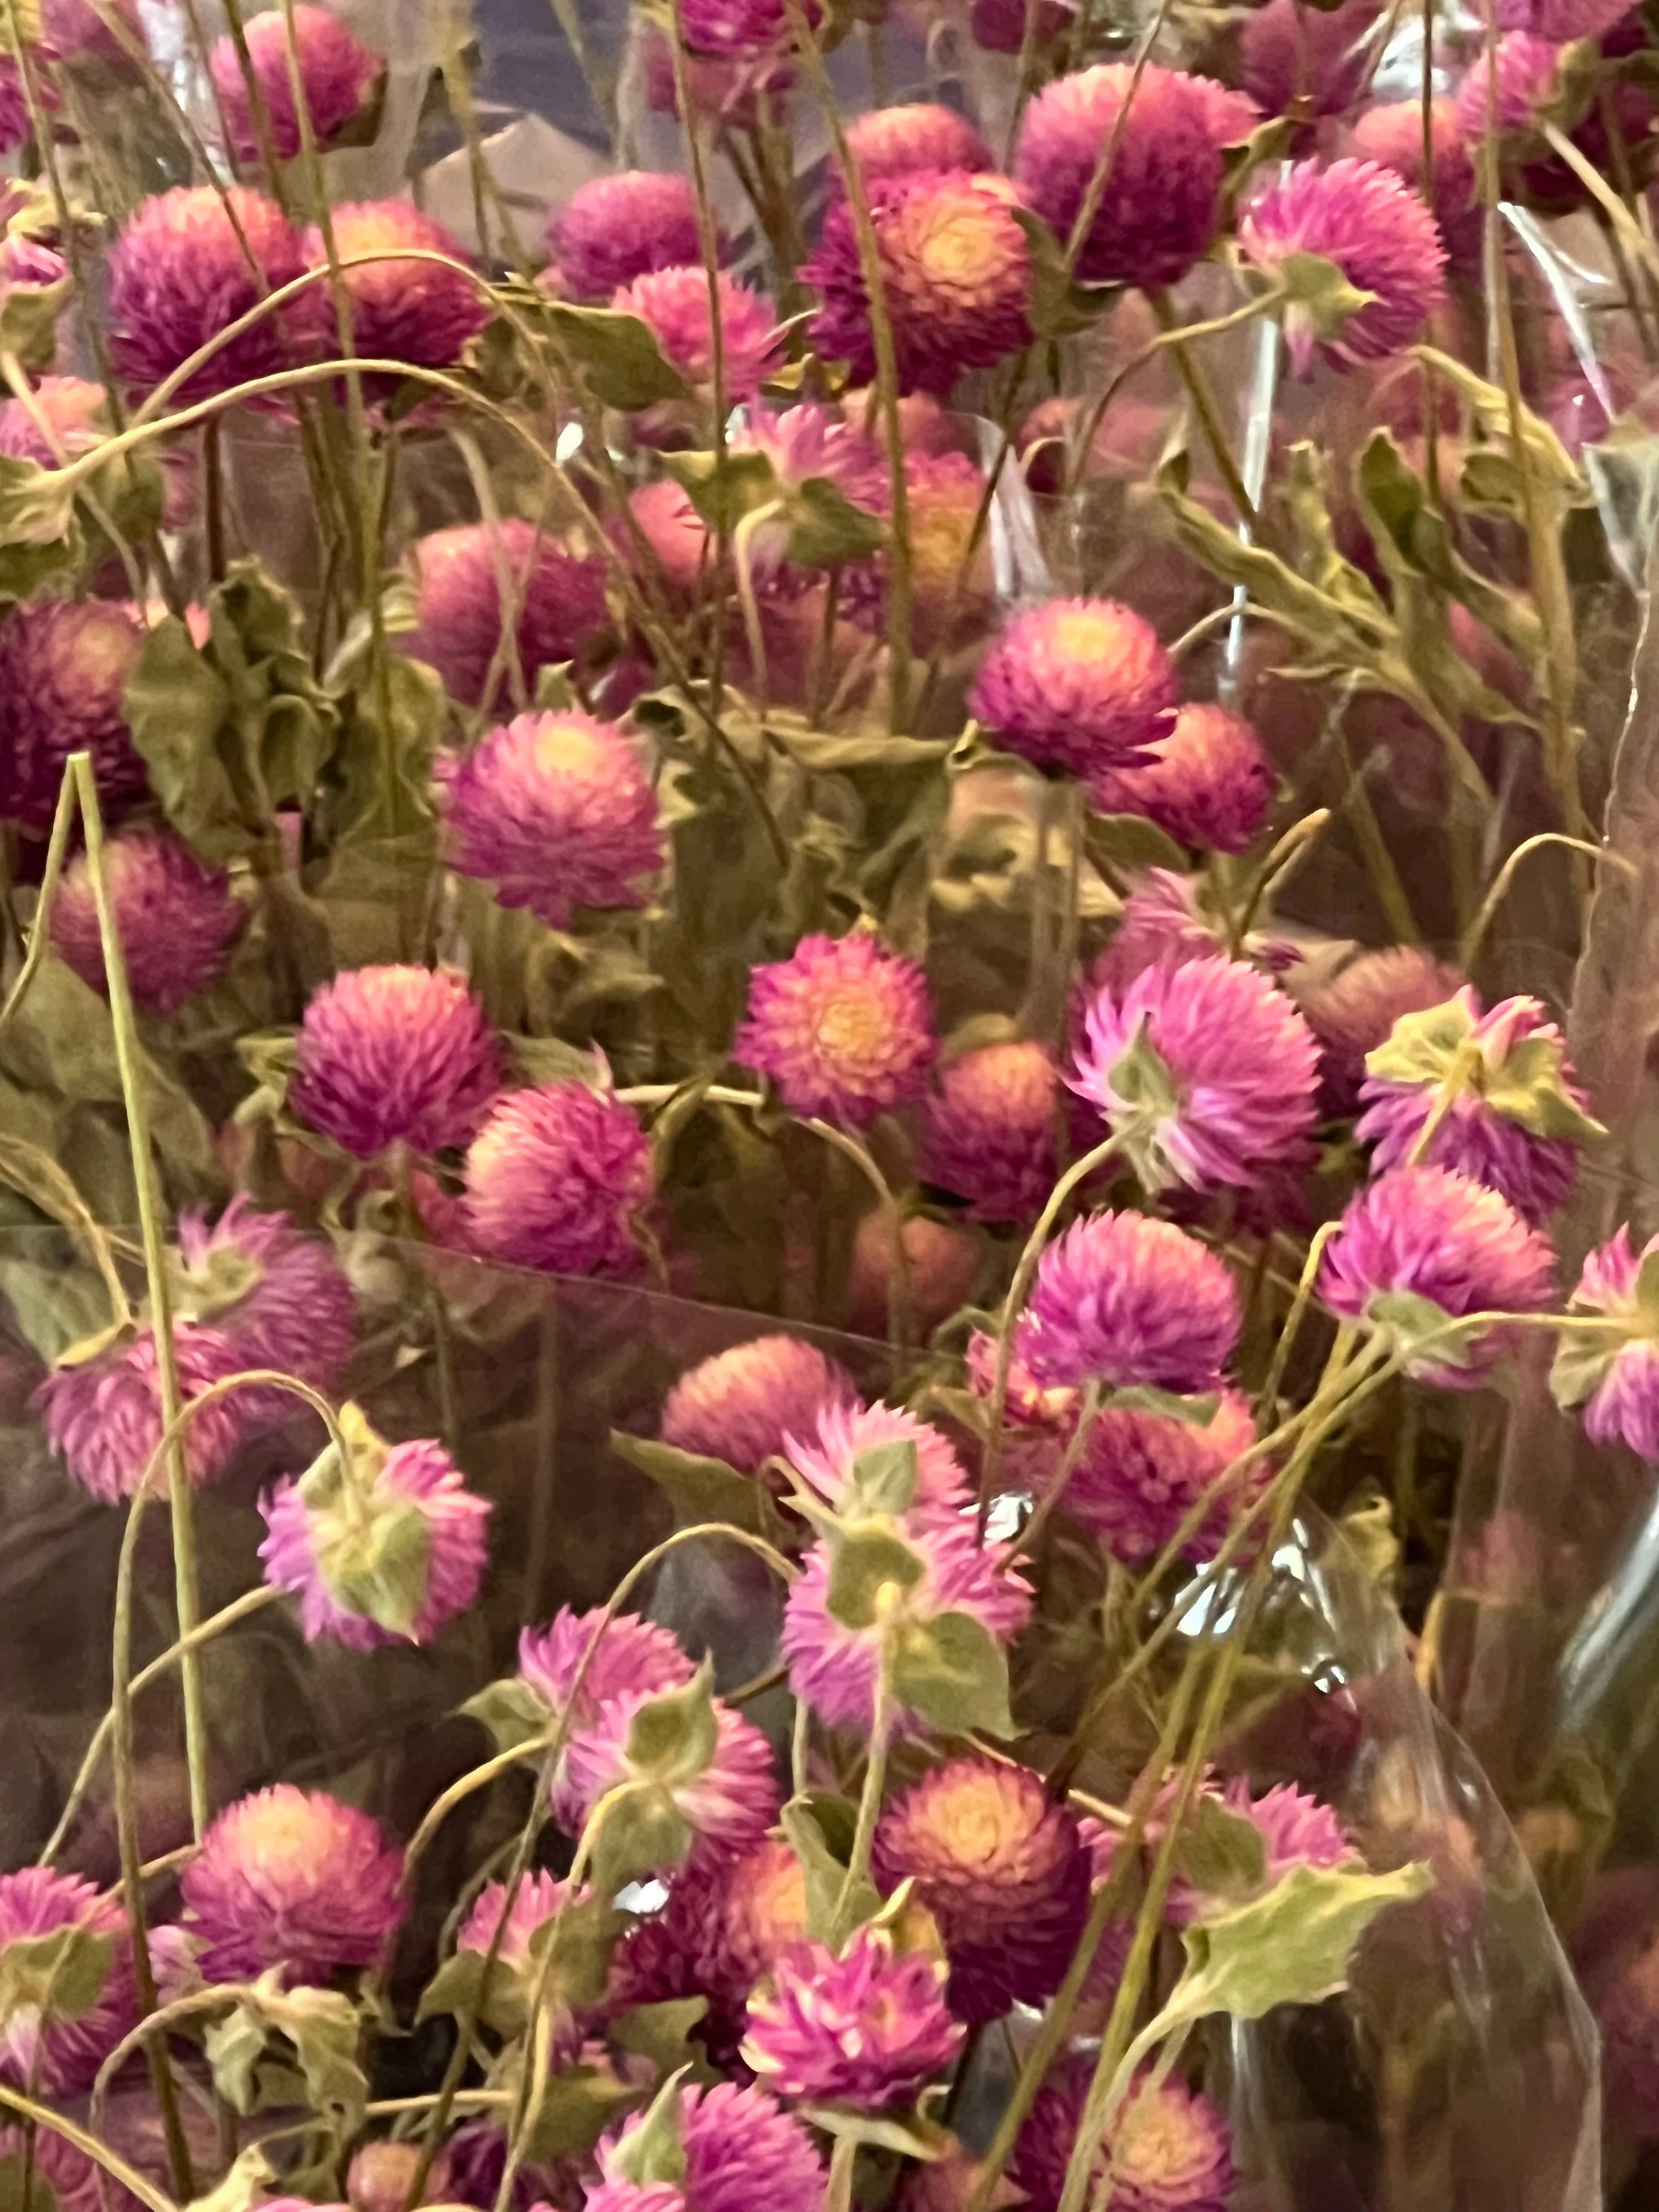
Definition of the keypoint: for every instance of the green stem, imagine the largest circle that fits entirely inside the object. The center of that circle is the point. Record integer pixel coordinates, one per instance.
(1475, 934)
(1204, 407)
(875, 1771)
(43, 2116)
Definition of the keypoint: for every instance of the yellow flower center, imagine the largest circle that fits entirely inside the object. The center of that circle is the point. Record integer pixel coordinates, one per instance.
(568, 749)
(1156, 2139)
(1081, 634)
(974, 1816)
(851, 1025)
(281, 1835)
(957, 250)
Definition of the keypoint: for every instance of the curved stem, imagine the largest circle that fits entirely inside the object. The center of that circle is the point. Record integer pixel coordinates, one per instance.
(1505, 877)
(43, 2116)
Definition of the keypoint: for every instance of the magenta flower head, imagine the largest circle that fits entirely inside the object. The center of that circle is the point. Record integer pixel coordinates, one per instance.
(337, 71)
(1205, 1070)
(825, 1455)
(385, 1549)
(466, 579)
(75, 29)
(844, 1028)
(739, 28)
(179, 274)
(1160, 207)
(1140, 1474)
(891, 142)
(729, 1803)
(1079, 686)
(613, 229)
(64, 667)
(806, 441)
(673, 305)
(1614, 1375)
(1354, 1010)
(279, 1297)
(1501, 1093)
(1560, 20)
(868, 2028)
(57, 2051)
(402, 309)
(1315, 60)
(1000, 27)
(555, 1180)
(1503, 91)
(66, 416)
(395, 1055)
(1368, 222)
(176, 918)
(1391, 132)
(558, 811)
(1209, 781)
(292, 1878)
(956, 271)
(538, 1897)
(581, 1661)
(103, 1416)
(988, 1133)
(1166, 920)
(744, 1406)
(1420, 1246)
(1169, 2150)
(1296, 1830)
(1133, 1302)
(736, 2151)
(952, 577)
(1003, 1870)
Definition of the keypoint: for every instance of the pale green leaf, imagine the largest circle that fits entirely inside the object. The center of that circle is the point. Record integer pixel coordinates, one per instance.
(954, 1674)
(1292, 1945)
(703, 1490)
(514, 1714)
(617, 355)
(864, 1561)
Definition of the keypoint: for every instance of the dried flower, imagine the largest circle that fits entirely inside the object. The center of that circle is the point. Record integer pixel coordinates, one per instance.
(1504, 89)
(1316, 60)
(1392, 133)
(737, 27)
(744, 1406)
(802, 443)
(1169, 2149)
(555, 1180)
(395, 1055)
(182, 270)
(337, 71)
(402, 309)
(675, 536)
(466, 578)
(825, 1455)
(1139, 1474)
(1132, 1303)
(741, 2151)
(1376, 231)
(1209, 781)
(614, 228)
(1079, 686)
(1001, 27)
(176, 918)
(52, 2052)
(62, 2178)
(743, 1914)
(1560, 20)
(103, 1415)
(635, 2196)
(1295, 1828)
(1422, 1239)
(279, 1297)
(630, 1658)
(537, 1897)
(952, 583)
(728, 1805)
(1001, 1867)
(867, 2028)
(1353, 1011)
(75, 29)
(1160, 205)
(382, 2173)
(64, 667)
(891, 142)
(673, 305)
(71, 409)
(988, 1135)
(1166, 920)
(1614, 1374)
(844, 1027)
(291, 1877)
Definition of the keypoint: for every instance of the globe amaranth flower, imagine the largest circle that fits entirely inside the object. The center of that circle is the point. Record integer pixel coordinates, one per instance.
(75, 29)
(382, 2173)
(636, 2197)
(337, 73)
(1420, 1238)
(1562, 20)
(486, 592)
(1504, 89)
(833, 1667)
(176, 918)
(744, 1406)
(741, 2150)
(395, 1055)
(1130, 1302)
(1368, 222)
(952, 579)
(1353, 1010)
(278, 1295)
(891, 142)
(184, 268)
(385, 1551)
(740, 1916)
(1316, 60)
(292, 1878)
(804, 443)
(1498, 1087)
(1168, 920)
(673, 537)
(988, 1130)
(1295, 1828)
(1205, 1070)
(555, 1179)
(1139, 1474)
(1209, 781)
(46, 2052)
(1037, 1421)
(508, 1928)
(673, 304)
(737, 27)
(1612, 1375)
(825, 1455)
(64, 667)
(1002, 1868)
(1078, 685)
(581, 1661)
(729, 1803)
(867, 2027)
(1159, 207)
(1169, 2149)
(1001, 27)
(614, 228)
(404, 309)
(1391, 132)
(103, 1415)
(62, 2178)
(63, 418)
(843, 1027)
(556, 811)
(955, 274)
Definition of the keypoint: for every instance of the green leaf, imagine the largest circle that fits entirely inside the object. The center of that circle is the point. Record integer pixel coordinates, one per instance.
(1322, 300)
(321, 2025)
(910, 2134)
(460, 1987)
(1581, 1364)
(176, 703)
(1198, 1412)
(725, 487)
(245, 2185)
(825, 527)
(23, 2191)
(865, 1560)
(1140, 1078)
(703, 1490)
(1529, 1086)
(822, 1840)
(641, 1832)
(954, 1674)
(581, 1939)
(617, 355)
(60, 1977)
(551, 1060)
(1421, 1048)
(653, 2152)
(379, 1568)
(1292, 1945)
(577, 2106)
(884, 1479)
(514, 1714)
(841, 752)
(660, 2033)
(234, 2047)
(1060, 307)
(1129, 840)
(1410, 1320)
(1367, 1528)
(1220, 1852)
(1647, 1291)
(672, 1738)
(40, 537)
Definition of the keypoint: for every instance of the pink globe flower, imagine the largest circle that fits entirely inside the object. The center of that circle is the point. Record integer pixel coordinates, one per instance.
(636, 2197)
(1002, 1869)
(390, 1561)
(891, 142)
(957, 273)
(802, 443)
(673, 305)
(292, 1878)
(988, 1135)
(103, 1416)
(1295, 1828)
(1392, 133)
(952, 580)
(1376, 230)
(741, 2151)
(58, 2053)
(1614, 1377)
(1037, 1421)
(744, 1406)
(558, 811)
(1169, 2149)
(1160, 206)
(1315, 61)
(395, 1055)
(180, 274)
(742, 1915)
(1422, 1237)
(176, 918)
(538, 1896)
(673, 538)
(1352, 1011)
(631, 1658)
(1167, 921)
(1206, 1071)
(1561, 19)
(1077, 686)
(63, 2179)
(1140, 1474)
(868, 2028)
(1132, 1303)
(402, 309)
(614, 228)
(65, 417)
(337, 71)
(824, 1456)
(279, 1297)
(737, 27)
(843, 1027)
(1001, 25)
(728, 1807)
(1209, 781)
(555, 1179)
(64, 667)
(75, 29)
(1503, 91)
(466, 578)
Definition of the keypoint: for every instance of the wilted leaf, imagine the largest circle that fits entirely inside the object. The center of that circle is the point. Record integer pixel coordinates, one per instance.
(1220, 1852)
(864, 1561)
(1290, 1945)
(825, 527)
(641, 1832)
(577, 2106)
(653, 2152)
(703, 1490)
(819, 1836)
(884, 1479)
(617, 355)
(1129, 840)
(725, 487)
(513, 1713)
(243, 2186)
(954, 1674)
(581, 1939)
(1060, 307)
(58, 1976)
(460, 1987)
(40, 537)
(660, 2033)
